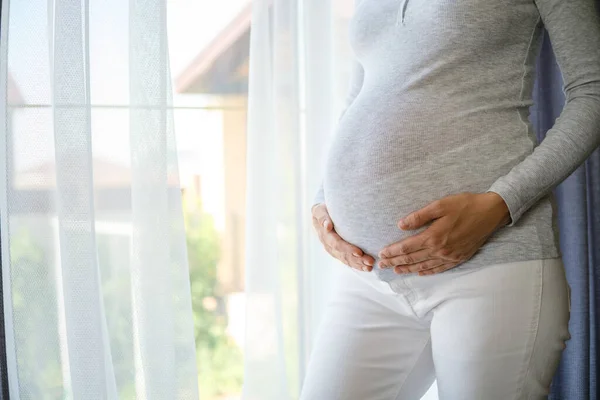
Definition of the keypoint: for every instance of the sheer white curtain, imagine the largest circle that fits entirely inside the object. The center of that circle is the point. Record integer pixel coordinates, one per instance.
(96, 284)
(299, 68)
(300, 64)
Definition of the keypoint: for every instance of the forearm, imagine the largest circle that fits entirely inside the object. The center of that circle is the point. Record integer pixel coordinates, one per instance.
(575, 135)
(574, 30)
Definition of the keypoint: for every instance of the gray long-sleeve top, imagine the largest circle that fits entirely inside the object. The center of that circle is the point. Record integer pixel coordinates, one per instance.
(439, 104)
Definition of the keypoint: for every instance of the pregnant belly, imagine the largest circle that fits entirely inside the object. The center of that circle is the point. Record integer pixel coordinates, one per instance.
(381, 168)
(365, 208)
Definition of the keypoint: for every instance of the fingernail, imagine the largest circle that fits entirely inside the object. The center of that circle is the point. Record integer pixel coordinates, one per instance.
(355, 255)
(402, 224)
(326, 223)
(367, 263)
(382, 265)
(366, 269)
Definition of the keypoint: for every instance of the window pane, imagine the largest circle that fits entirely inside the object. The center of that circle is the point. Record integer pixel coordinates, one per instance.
(209, 49)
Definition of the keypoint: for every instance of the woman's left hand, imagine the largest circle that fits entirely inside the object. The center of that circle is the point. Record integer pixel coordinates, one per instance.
(462, 223)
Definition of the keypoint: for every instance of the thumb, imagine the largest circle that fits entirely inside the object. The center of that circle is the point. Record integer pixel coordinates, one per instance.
(322, 216)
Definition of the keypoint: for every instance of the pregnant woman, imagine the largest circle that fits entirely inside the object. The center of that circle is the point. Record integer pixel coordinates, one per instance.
(439, 200)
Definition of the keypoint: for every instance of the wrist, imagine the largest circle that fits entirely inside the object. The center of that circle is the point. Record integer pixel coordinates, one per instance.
(498, 209)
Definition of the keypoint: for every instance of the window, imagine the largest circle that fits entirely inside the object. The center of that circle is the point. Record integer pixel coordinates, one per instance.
(209, 51)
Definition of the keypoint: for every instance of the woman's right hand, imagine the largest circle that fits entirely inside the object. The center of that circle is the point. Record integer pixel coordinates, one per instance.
(335, 245)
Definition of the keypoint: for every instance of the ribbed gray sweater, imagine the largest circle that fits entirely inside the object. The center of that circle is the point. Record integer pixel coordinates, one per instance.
(439, 104)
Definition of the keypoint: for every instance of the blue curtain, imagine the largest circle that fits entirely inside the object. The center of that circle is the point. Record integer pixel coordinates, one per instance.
(578, 199)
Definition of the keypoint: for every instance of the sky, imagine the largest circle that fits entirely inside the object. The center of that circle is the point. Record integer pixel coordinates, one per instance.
(191, 25)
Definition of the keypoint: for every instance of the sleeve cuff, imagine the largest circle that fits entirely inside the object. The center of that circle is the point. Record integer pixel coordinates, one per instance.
(511, 199)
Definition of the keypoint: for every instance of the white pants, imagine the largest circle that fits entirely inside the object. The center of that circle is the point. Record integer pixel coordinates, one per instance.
(492, 333)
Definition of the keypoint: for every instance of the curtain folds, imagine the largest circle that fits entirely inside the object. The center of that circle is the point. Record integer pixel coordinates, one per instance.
(94, 262)
(4, 394)
(299, 60)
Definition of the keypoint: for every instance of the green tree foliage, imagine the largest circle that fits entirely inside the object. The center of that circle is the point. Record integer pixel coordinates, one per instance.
(35, 324)
(35, 313)
(220, 366)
